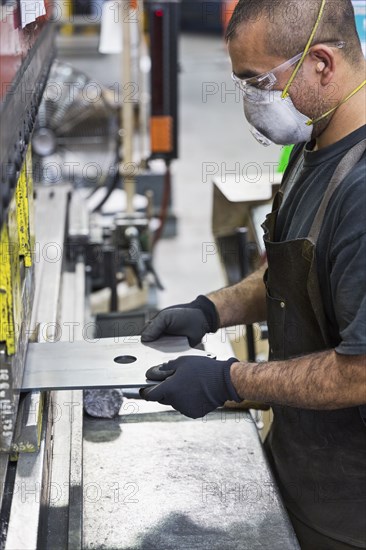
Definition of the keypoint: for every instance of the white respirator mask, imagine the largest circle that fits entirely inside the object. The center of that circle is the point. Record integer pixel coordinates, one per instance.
(274, 119)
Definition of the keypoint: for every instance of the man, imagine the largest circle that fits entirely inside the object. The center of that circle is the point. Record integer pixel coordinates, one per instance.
(313, 293)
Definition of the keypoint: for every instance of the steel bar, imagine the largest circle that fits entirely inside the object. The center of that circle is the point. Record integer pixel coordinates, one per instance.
(65, 507)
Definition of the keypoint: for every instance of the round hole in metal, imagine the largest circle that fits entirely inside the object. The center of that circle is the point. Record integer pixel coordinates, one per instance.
(125, 359)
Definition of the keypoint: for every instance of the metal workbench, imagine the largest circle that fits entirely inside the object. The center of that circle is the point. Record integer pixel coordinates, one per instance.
(158, 480)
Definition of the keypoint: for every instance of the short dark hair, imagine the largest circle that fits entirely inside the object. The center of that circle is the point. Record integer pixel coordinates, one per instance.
(290, 23)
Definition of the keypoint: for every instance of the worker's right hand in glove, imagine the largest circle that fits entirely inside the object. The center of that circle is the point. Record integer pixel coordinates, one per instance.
(192, 320)
(192, 385)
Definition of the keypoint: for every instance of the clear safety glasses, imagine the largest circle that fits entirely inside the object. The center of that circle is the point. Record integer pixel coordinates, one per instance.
(266, 81)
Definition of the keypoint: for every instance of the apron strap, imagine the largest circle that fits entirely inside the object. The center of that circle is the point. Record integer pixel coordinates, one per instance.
(294, 168)
(343, 169)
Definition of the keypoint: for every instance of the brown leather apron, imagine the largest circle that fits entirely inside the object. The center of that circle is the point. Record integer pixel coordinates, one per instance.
(319, 457)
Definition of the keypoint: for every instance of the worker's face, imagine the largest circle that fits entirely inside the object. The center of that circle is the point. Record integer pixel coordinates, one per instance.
(250, 57)
(248, 51)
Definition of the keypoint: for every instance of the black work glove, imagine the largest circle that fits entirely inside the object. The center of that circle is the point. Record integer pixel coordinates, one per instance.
(192, 320)
(192, 385)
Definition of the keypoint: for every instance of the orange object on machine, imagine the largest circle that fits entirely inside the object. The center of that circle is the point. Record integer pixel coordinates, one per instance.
(163, 25)
(227, 9)
(161, 133)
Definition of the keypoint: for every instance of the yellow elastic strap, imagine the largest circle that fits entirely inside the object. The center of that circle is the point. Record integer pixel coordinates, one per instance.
(293, 76)
(310, 122)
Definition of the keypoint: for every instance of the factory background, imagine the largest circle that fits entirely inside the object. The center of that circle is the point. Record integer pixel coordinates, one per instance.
(129, 182)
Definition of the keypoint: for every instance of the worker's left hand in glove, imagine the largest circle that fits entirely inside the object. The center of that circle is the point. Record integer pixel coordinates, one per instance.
(192, 385)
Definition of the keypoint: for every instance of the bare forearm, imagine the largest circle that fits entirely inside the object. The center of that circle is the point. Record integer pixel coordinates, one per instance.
(324, 380)
(243, 303)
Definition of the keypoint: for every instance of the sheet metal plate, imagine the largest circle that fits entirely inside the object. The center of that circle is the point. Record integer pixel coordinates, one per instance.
(86, 364)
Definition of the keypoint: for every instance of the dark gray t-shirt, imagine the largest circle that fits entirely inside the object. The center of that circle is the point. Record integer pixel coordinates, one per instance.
(341, 247)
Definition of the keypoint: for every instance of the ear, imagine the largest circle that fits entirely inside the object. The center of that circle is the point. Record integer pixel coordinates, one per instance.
(324, 62)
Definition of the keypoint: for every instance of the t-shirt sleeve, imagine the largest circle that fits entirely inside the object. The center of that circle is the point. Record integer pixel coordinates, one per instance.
(348, 282)
(348, 273)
